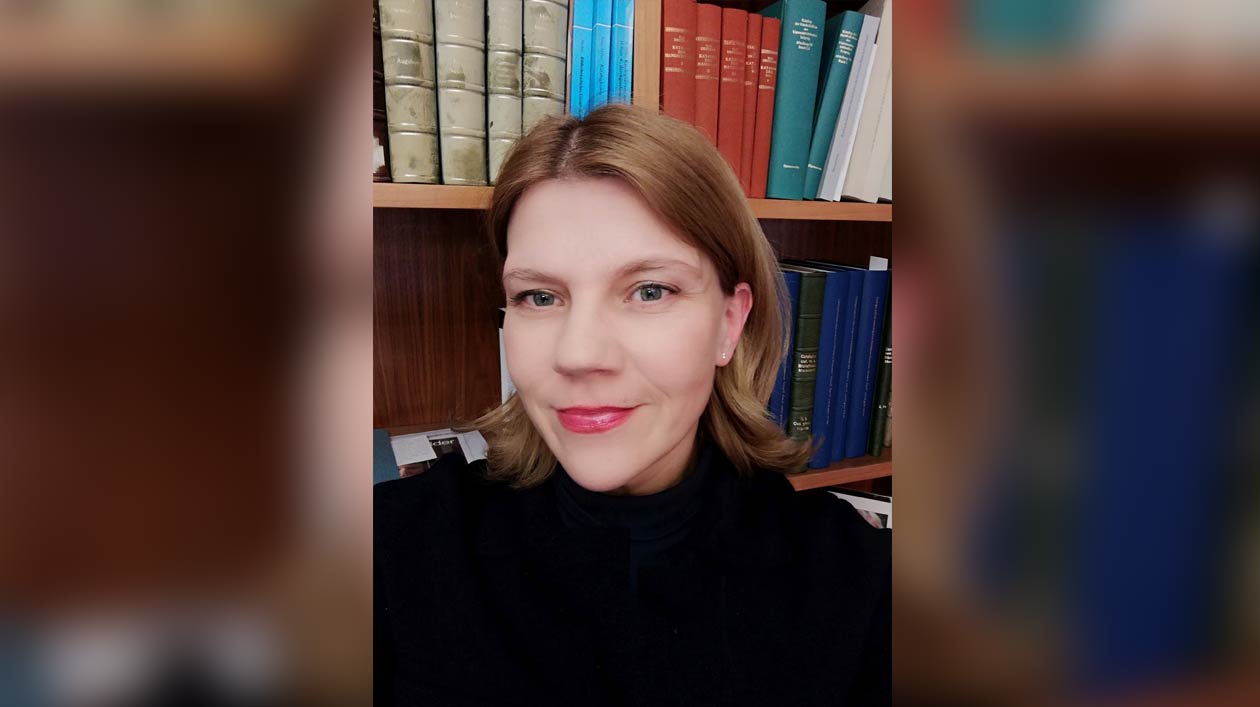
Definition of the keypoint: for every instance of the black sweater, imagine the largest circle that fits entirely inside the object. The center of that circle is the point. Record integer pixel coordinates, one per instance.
(752, 594)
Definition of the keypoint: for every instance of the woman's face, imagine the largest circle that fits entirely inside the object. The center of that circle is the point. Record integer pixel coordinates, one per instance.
(613, 330)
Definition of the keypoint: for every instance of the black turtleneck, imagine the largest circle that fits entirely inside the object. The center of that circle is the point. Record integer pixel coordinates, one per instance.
(654, 522)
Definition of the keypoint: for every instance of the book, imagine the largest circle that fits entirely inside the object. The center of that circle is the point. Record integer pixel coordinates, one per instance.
(504, 39)
(752, 68)
(708, 69)
(800, 53)
(409, 67)
(384, 465)
(768, 73)
(416, 453)
(836, 165)
(875, 508)
(601, 49)
(731, 87)
(380, 125)
(885, 189)
(545, 29)
(581, 57)
(622, 71)
(678, 59)
(874, 130)
(831, 336)
(805, 351)
(778, 405)
(840, 41)
(865, 358)
(883, 388)
(460, 45)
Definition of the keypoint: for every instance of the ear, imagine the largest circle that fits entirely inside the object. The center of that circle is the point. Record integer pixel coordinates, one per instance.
(735, 311)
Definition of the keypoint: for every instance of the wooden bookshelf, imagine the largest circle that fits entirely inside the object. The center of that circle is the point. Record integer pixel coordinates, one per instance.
(847, 471)
(387, 195)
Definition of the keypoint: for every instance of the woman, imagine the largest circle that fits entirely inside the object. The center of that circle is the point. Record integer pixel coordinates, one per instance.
(631, 538)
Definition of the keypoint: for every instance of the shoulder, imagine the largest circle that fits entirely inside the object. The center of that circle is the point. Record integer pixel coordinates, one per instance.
(447, 492)
(835, 524)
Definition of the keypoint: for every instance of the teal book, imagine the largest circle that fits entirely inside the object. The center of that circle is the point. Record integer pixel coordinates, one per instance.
(622, 52)
(840, 40)
(808, 334)
(581, 58)
(796, 87)
(603, 53)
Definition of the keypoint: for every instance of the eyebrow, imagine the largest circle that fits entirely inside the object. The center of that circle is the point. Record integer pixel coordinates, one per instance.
(632, 268)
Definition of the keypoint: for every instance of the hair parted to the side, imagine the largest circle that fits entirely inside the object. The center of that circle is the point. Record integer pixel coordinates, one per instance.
(684, 178)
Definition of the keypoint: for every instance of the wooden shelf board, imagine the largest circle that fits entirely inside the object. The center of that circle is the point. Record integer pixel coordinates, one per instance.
(388, 195)
(847, 471)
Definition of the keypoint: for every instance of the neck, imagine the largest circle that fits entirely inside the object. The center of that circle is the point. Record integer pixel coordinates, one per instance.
(666, 471)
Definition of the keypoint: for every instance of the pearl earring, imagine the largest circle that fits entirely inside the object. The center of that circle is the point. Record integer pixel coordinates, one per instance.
(723, 355)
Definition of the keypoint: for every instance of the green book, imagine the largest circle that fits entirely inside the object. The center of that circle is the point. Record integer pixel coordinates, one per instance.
(840, 41)
(796, 87)
(805, 352)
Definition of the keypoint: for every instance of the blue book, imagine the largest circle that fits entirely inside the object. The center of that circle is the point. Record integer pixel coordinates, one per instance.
(865, 358)
(826, 387)
(779, 398)
(839, 41)
(384, 465)
(620, 80)
(581, 58)
(602, 50)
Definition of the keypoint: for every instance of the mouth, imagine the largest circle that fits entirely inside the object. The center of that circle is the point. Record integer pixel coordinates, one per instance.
(593, 420)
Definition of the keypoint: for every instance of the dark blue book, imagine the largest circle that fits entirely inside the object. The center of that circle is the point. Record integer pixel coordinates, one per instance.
(865, 361)
(384, 465)
(829, 341)
(779, 398)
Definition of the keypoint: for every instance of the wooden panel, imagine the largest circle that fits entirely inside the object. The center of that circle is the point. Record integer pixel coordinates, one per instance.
(851, 243)
(646, 82)
(820, 210)
(436, 297)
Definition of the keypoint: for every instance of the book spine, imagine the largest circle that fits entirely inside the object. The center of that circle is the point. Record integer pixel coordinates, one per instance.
(767, 75)
(731, 89)
(800, 52)
(841, 149)
(866, 354)
(847, 27)
(874, 132)
(622, 52)
(380, 123)
(602, 49)
(708, 68)
(779, 398)
(461, 70)
(805, 355)
(582, 57)
(752, 68)
(678, 59)
(545, 26)
(850, 319)
(504, 39)
(411, 108)
(837, 287)
(883, 388)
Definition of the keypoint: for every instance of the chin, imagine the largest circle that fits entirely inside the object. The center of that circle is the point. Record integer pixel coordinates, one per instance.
(598, 470)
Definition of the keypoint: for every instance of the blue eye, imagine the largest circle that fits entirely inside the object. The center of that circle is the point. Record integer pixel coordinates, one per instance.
(653, 292)
(537, 298)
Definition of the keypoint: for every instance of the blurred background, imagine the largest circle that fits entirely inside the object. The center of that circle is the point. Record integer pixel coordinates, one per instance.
(185, 352)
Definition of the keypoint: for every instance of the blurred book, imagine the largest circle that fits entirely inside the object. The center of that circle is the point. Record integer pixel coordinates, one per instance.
(417, 452)
(875, 508)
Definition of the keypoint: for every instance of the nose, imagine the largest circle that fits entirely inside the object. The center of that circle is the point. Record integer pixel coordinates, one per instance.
(587, 342)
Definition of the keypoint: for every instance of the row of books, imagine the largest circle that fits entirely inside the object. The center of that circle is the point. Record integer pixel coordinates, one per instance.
(835, 382)
(798, 104)
(457, 82)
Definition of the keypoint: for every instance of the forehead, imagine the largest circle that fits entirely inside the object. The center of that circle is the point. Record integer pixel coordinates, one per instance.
(590, 227)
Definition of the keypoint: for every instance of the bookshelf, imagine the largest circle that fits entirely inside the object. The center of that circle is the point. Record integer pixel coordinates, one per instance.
(437, 290)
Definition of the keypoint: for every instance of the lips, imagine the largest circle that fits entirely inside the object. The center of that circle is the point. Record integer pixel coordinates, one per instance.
(593, 420)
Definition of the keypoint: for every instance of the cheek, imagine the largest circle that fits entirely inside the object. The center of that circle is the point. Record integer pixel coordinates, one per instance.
(677, 358)
(525, 348)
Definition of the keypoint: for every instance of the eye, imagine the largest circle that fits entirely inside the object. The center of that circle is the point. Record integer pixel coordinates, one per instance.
(653, 292)
(536, 298)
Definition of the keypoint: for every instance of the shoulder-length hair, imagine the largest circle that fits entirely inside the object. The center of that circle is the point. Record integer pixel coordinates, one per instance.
(689, 185)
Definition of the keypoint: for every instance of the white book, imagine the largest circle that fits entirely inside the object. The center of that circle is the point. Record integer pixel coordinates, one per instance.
(866, 166)
(842, 135)
(885, 189)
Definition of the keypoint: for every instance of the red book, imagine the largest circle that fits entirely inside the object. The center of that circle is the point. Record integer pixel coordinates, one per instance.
(769, 72)
(678, 59)
(731, 91)
(708, 56)
(752, 65)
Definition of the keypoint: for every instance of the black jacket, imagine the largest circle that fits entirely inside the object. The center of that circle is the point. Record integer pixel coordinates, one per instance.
(484, 597)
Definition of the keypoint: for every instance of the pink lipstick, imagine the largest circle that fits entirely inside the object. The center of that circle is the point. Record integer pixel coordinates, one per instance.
(592, 420)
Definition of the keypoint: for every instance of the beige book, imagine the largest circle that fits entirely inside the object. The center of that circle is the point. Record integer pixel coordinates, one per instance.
(461, 89)
(885, 189)
(410, 90)
(544, 68)
(503, 80)
(874, 133)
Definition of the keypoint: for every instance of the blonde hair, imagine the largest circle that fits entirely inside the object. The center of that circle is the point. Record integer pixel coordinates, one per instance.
(689, 185)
